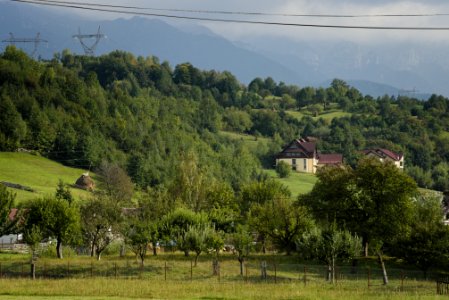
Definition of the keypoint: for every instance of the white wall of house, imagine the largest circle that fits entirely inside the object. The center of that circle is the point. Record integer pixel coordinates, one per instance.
(10, 238)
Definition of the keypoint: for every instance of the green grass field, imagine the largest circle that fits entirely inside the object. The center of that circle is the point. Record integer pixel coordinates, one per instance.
(144, 289)
(249, 140)
(39, 173)
(171, 276)
(326, 115)
(298, 183)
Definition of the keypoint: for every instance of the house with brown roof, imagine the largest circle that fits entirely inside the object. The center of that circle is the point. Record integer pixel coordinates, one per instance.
(386, 155)
(302, 155)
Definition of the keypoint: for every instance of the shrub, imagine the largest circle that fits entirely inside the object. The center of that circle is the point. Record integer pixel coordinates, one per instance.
(283, 169)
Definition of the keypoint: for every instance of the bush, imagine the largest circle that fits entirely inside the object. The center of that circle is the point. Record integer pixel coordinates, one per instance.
(283, 169)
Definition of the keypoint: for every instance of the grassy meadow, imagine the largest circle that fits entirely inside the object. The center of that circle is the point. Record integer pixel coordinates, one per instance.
(298, 183)
(173, 276)
(249, 140)
(38, 173)
(327, 115)
(101, 288)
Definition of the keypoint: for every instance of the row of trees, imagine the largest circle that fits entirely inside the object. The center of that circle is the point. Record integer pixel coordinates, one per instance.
(348, 209)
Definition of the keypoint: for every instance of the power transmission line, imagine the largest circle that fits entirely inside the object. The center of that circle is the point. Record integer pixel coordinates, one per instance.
(224, 12)
(231, 20)
(36, 41)
(89, 49)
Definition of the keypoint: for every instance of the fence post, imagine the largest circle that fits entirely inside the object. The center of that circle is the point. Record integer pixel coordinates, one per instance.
(91, 269)
(33, 270)
(246, 272)
(275, 274)
(115, 270)
(191, 270)
(165, 271)
(305, 276)
(369, 275)
(1, 271)
(22, 270)
(402, 280)
(263, 269)
(68, 268)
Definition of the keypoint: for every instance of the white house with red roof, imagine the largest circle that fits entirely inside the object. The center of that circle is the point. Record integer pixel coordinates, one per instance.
(386, 155)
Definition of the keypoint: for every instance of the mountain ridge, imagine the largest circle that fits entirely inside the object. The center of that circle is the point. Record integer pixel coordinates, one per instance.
(293, 62)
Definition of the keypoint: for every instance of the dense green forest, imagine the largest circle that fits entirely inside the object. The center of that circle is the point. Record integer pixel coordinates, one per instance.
(150, 118)
(164, 132)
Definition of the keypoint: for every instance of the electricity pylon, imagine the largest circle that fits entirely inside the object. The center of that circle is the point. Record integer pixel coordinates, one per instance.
(89, 50)
(37, 40)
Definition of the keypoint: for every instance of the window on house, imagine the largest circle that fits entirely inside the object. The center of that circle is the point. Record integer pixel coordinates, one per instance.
(294, 164)
(401, 163)
(305, 164)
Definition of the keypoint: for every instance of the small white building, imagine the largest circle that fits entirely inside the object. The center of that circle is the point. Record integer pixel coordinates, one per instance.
(386, 155)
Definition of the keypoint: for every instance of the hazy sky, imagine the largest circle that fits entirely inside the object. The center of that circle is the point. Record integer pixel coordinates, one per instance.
(240, 31)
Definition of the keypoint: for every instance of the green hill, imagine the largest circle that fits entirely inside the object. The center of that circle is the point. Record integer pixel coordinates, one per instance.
(38, 173)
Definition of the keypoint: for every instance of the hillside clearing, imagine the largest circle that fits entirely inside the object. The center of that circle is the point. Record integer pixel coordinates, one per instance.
(328, 115)
(38, 173)
(249, 140)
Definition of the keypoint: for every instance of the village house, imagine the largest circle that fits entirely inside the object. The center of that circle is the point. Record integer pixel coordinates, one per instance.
(302, 156)
(386, 155)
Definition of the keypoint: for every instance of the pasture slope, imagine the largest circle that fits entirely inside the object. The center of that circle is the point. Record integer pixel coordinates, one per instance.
(38, 173)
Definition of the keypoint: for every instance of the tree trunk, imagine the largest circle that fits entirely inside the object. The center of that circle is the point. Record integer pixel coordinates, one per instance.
(186, 252)
(154, 248)
(365, 247)
(241, 266)
(333, 270)
(354, 266)
(196, 259)
(215, 267)
(98, 255)
(329, 273)
(92, 249)
(59, 248)
(384, 270)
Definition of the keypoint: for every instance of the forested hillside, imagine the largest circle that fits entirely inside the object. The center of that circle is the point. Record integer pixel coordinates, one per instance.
(164, 123)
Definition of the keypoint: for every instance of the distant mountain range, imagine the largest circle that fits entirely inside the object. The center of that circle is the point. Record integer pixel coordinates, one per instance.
(387, 69)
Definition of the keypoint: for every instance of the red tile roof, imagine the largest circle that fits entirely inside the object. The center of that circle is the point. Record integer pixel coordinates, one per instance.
(13, 214)
(327, 159)
(383, 153)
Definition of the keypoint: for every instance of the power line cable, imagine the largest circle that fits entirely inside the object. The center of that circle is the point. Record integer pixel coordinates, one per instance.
(233, 20)
(224, 12)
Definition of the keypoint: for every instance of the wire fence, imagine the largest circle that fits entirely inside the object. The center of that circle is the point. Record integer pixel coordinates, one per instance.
(228, 271)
